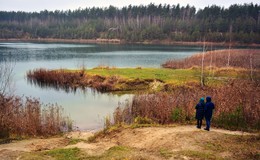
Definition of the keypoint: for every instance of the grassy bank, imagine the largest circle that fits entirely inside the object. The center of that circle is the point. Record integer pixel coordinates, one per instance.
(105, 79)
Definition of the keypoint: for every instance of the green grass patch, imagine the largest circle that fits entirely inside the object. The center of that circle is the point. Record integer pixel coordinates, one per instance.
(64, 154)
(156, 79)
(171, 76)
(166, 75)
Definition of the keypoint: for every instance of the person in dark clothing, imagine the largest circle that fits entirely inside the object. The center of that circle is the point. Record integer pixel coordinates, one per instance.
(209, 106)
(200, 112)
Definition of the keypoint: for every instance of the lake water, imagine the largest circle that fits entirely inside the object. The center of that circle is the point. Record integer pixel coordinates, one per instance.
(87, 108)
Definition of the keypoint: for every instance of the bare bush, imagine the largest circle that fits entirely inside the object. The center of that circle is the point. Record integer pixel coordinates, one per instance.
(29, 117)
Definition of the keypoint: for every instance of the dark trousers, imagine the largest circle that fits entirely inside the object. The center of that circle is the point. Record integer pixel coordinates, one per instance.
(208, 123)
(199, 123)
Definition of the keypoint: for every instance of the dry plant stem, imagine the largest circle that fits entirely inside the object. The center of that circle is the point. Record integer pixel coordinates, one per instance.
(202, 65)
(6, 70)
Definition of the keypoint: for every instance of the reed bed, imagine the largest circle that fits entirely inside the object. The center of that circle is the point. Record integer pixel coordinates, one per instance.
(238, 58)
(28, 117)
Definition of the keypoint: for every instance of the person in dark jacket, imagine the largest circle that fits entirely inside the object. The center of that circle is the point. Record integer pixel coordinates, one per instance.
(200, 112)
(209, 106)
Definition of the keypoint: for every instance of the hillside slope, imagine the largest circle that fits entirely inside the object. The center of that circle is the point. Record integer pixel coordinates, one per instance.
(179, 142)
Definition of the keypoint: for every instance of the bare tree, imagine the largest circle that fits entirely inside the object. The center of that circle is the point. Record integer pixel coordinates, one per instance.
(230, 34)
(211, 59)
(202, 79)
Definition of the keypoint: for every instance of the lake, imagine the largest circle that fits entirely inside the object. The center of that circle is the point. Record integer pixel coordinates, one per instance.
(87, 108)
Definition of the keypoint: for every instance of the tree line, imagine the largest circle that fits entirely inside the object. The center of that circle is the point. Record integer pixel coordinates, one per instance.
(239, 23)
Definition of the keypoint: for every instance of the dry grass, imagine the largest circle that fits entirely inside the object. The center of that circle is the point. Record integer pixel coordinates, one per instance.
(237, 105)
(239, 58)
(28, 117)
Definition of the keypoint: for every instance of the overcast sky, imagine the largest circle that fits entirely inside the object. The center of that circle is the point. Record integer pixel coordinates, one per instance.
(38, 5)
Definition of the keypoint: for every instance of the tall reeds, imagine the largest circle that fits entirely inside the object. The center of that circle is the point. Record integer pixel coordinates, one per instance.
(28, 117)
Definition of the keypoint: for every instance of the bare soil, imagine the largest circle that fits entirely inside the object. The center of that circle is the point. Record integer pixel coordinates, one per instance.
(180, 142)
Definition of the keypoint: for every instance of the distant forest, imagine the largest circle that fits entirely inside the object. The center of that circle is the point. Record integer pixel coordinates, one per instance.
(238, 23)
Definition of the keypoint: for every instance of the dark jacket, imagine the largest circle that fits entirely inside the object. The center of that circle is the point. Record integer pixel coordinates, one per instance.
(200, 110)
(209, 108)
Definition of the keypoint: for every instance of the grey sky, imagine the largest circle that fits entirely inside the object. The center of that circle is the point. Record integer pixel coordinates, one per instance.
(38, 5)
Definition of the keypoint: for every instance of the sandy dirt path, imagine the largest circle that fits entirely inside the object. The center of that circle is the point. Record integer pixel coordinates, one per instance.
(148, 140)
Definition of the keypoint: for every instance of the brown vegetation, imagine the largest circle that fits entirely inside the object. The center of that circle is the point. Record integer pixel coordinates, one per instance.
(237, 105)
(19, 117)
(238, 58)
(237, 100)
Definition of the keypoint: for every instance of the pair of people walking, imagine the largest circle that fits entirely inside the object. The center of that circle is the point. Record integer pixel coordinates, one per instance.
(204, 110)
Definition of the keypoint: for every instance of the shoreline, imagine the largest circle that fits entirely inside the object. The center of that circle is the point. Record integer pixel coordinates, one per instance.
(118, 41)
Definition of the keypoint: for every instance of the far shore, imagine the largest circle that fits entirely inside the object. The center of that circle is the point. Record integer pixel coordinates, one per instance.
(119, 41)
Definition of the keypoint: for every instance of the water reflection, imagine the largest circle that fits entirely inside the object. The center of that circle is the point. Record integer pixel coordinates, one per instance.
(60, 87)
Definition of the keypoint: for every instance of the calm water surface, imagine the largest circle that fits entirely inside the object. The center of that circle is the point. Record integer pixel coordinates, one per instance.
(87, 108)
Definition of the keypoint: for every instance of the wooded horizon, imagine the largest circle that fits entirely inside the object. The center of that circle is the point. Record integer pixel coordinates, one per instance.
(238, 23)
